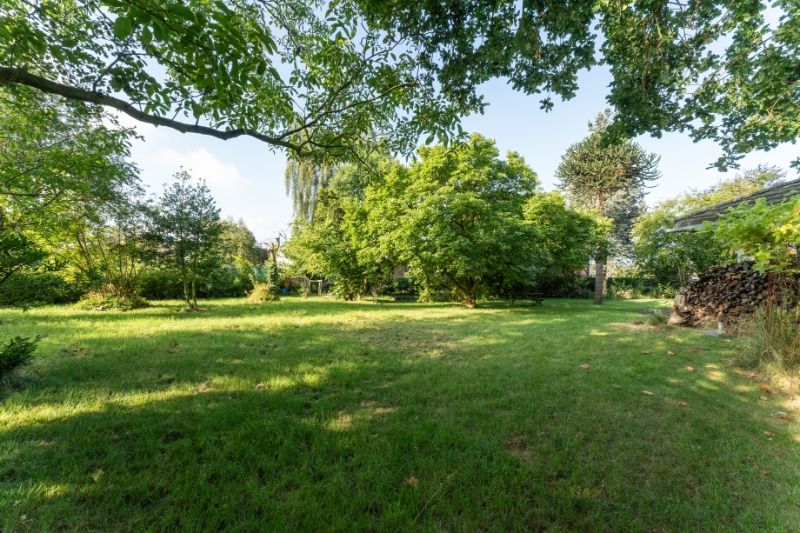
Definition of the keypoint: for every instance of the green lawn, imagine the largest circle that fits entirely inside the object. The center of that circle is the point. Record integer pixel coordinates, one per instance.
(315, 414)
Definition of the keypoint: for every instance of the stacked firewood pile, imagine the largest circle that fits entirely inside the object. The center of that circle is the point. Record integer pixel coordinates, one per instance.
(725, 293)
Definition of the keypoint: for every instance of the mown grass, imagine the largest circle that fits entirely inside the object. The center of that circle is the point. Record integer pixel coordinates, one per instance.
(321, 415)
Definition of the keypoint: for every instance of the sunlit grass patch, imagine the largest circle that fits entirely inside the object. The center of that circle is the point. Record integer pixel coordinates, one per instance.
(317, 414)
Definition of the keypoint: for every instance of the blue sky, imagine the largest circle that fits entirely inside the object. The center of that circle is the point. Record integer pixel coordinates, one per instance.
(246, 177)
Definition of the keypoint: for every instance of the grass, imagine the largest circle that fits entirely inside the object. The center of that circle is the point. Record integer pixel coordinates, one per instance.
(315, 414)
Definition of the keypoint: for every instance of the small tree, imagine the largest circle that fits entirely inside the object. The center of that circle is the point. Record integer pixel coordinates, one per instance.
(187, 229)
(596, 169)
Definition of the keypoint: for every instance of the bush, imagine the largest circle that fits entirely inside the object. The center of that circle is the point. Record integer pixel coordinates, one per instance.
(17, 353)
(40, 288)
(103, 301)
(264, 292)
(160, 284)
(772, 337)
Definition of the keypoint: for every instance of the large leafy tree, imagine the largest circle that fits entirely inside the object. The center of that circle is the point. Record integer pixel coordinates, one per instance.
(61, 164)
(298, 75)
(455, 218)
(187, 229)
(718, 69)
(595, 170)
(340, 242)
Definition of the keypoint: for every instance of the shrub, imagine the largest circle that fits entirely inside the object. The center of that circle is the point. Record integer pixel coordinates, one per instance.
(18, 352)
(39, 288)
(264, 292)
(103, 301)
(772, 337)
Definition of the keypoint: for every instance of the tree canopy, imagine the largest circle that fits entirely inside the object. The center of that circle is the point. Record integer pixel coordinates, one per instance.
(717, 69)
(305, 76)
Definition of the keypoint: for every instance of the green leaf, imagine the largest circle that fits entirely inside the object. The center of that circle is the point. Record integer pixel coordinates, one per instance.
(123, 27)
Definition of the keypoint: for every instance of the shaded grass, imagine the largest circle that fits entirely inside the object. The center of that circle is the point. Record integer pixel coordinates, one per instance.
(315, 414)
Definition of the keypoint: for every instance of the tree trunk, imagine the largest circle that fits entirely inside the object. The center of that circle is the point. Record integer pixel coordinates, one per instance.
(185, 278)
(599, 280)
(194, 292)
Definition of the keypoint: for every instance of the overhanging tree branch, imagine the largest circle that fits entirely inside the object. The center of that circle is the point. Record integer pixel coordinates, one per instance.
(11, 76)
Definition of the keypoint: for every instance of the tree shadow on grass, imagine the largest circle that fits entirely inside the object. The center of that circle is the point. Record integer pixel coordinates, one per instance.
(495, 420)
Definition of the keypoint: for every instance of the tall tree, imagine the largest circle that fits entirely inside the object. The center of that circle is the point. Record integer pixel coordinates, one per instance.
(305, 76)
(61, 164)
(187, 228)
(717, 69)
(305, 179)
(594, 170)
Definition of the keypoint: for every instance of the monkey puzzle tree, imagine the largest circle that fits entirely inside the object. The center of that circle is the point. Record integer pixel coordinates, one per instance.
(596, 169)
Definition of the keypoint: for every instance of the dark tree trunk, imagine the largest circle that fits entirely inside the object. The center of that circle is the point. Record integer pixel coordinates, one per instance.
(599, 280)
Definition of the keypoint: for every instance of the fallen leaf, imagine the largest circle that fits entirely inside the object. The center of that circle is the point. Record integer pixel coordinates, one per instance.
(690, 368)
(769, 434)
(783, 416)
(670, 352)
(763, 398)
(647, 393)
(586, 365)
(751, 375)
(260, 386)
(616, 386)
(646, 352)
(766, 388)
(412, 481)
(683, 404)
(97, 475)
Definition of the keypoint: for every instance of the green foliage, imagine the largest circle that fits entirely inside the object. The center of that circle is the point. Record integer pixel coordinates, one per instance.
(108, 300)
(454, 217)
(25, 288)
(563, 240)
(671, 257)
(238, 242)
(607, 176)
(186, 229)
(305, 180)
(16, 354)
(264, 292)
(772, 337)
(305, 76)
(717, 69)
(770, 234)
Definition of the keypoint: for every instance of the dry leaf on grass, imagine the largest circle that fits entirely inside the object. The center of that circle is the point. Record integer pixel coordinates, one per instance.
(769, 434)
(260, 386)
(97, 475)
(683, 404)
(646, 352)
(647, 393)
(766, 388)
(783, 416)
(616, 386)
(586, 365)
(751, 375)
(690, 368)
(670, 352)
(412, 481)
(763, 398)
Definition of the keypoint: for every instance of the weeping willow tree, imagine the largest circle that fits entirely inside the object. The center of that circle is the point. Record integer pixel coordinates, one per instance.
(305, 179)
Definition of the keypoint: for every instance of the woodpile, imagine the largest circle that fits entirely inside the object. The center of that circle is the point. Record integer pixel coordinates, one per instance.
(725, 293)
